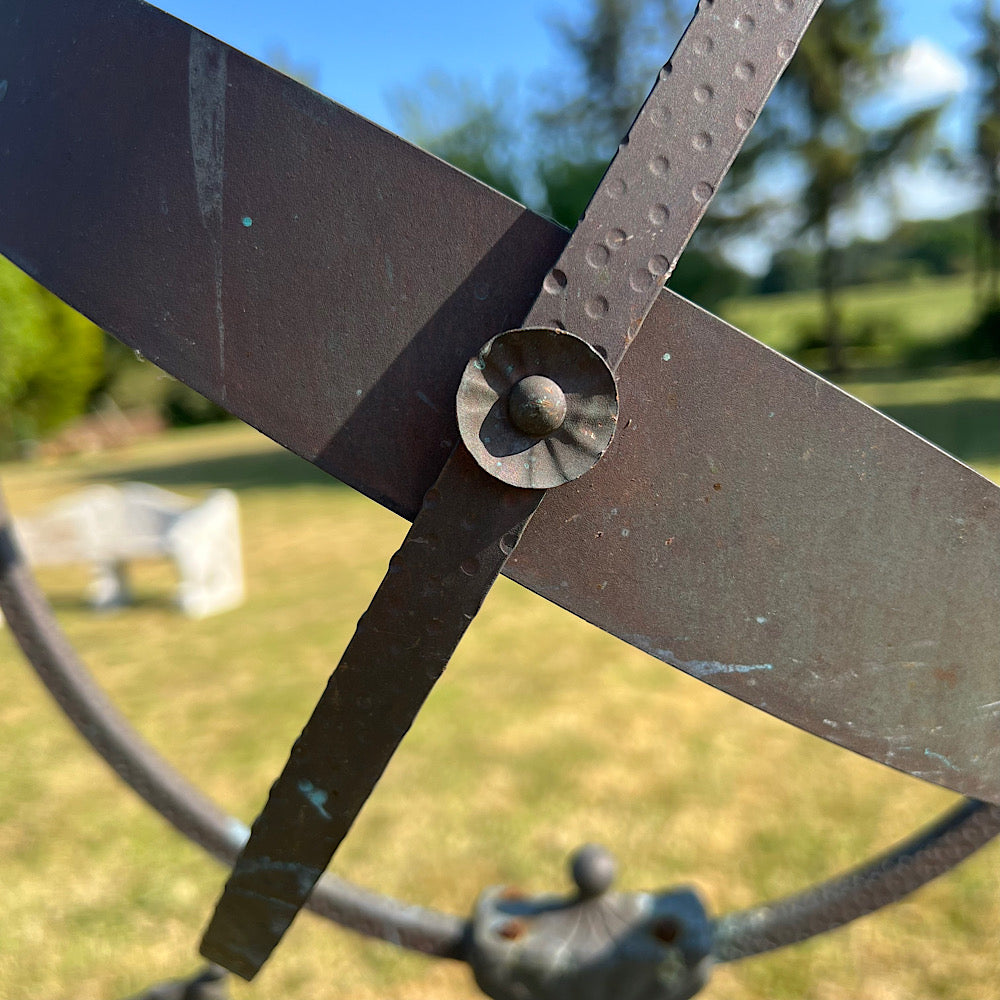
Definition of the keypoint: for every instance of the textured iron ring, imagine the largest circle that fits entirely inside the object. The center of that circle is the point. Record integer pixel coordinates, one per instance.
(924, 856)
(886, 879)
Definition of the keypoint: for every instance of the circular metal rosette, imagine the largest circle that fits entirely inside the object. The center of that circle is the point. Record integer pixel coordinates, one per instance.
(537, 408)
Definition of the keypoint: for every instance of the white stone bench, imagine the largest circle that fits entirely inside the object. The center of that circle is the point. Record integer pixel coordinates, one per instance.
(108, 527)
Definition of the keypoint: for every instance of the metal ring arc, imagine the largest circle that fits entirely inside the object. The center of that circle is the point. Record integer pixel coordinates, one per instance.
(922, 857)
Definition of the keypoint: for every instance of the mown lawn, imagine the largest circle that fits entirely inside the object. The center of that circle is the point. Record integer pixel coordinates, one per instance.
(544, 733)
(889, 318)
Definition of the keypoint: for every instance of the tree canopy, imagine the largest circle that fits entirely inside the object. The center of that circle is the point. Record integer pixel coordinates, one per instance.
(816, 134)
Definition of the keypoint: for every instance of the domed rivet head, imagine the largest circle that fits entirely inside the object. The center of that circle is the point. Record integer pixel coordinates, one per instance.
(536, 406)
(593, 869)
(528, 429)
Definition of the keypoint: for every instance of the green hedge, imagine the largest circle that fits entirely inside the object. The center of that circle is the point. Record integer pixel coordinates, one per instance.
(51, 359)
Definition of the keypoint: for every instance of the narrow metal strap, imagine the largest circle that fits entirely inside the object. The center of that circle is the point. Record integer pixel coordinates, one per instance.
(435, 584)
(85, 705)
(666, 171)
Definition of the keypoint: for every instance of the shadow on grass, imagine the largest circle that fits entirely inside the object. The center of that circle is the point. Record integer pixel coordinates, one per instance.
(80, 604)
(270, 469)
(967, 428)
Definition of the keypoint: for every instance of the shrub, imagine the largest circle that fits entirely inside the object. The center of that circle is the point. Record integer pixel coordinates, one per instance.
(982, 340)
(51, 359)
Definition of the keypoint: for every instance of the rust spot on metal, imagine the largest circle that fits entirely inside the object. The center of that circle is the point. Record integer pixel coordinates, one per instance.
(512, 930)
(947, 675)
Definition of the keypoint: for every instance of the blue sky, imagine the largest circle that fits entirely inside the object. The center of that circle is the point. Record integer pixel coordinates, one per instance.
(363, 53)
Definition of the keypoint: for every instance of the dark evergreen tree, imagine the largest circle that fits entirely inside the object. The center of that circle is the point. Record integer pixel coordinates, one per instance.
(814, 122)
(987, 155)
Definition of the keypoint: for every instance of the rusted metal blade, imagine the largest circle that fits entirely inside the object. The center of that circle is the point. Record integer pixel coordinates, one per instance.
(319, 277)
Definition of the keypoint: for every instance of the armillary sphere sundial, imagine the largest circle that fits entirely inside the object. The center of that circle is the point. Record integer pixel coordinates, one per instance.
(503, 386)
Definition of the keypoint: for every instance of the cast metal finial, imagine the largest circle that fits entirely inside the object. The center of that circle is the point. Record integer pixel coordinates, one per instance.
(593, 869)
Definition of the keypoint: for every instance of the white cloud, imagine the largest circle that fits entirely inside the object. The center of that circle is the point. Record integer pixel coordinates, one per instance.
(925, 193)
(924, 71)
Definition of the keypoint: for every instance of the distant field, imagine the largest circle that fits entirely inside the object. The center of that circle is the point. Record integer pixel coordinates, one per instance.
(895, 315)
(544, 734)
(956, 407)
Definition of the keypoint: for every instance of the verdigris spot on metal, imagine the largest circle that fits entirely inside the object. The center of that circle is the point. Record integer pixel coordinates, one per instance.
(709, 668)
(238, 832)
(937, 756)
(316, 796)
(698, 668)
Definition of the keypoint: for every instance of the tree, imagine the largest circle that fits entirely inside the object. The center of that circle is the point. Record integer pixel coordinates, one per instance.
(986, 58)
(476, 132)
(610, 60)
(553, 154)
(51, 360)
(814, 121)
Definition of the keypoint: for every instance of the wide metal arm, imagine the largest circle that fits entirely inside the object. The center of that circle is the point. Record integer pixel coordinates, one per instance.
(788, 564)
(790, 546)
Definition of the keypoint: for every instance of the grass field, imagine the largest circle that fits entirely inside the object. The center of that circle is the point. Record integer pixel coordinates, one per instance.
(544, 734)
(891, 318)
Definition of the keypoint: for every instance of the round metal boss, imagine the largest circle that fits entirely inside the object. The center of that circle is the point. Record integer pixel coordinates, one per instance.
(537, 408)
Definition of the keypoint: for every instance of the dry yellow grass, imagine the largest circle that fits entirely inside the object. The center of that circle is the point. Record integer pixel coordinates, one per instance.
(544, 733)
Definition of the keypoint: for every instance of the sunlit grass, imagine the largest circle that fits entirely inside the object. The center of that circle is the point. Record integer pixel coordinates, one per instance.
(900, 314)
(544, 733)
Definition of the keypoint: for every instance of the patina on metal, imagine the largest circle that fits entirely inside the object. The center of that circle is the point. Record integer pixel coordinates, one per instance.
(537, 408)
(185, 175)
